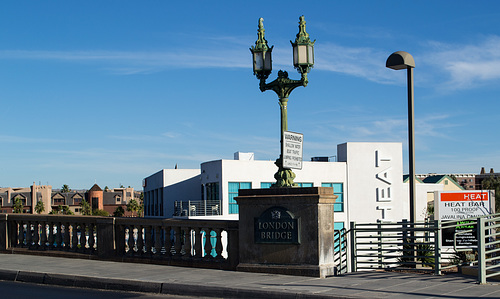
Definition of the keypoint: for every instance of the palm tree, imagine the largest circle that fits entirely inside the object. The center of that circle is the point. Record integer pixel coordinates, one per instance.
(86, 208)
(17, 207)
(132, 206)
(40, 207)
(65, 189)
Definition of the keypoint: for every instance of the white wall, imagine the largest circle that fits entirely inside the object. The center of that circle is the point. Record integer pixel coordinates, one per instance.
(170, 185)
(374, 181)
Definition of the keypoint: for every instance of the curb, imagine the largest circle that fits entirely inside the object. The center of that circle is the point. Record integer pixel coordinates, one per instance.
(182, 289)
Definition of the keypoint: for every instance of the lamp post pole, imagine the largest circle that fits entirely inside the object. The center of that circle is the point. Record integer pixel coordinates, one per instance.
(397, 61)
(411, 145)
(303, 56)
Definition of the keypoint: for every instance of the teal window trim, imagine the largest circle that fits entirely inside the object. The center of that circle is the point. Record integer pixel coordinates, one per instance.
(338, 189)
(305, 185)
(232, 192)
(265, 185)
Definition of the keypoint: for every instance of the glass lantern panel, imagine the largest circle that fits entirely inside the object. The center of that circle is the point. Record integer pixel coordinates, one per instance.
(268, 63)
(302, 54)
(258, 61)
(310, 55)
(295, 56)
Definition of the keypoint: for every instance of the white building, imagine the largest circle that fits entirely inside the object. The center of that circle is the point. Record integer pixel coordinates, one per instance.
(368, 179)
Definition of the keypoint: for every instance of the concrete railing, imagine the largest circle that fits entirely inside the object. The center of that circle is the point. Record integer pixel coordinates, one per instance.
(194, 243)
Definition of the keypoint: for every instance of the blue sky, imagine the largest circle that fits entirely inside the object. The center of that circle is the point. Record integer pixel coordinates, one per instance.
(113, 91)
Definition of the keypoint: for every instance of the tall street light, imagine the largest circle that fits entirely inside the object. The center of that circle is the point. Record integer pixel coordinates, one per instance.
(398, 61)
(303, 61)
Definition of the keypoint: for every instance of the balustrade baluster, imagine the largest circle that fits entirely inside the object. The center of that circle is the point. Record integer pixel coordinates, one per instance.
(51, 235)
(188, 248)
(66, 236)
(90, 240)
(198, 239)
(21, 234)
(127, 236)
(29, 234)
(149, 242)
(58, 235)
(208, 243)
(178, 241)
(167, 235)
(218, 245)
(158, 244)
(43, 234)
(75, 245)
(131, 241)
(36, 236)
(140, 239)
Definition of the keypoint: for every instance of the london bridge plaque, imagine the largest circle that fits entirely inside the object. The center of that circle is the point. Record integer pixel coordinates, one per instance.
(276, 225)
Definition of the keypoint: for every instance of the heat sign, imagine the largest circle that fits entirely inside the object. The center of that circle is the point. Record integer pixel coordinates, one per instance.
(465, 204)
(459, 205)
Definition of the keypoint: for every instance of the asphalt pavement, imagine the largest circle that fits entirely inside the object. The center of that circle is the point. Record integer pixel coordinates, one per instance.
(194, 282)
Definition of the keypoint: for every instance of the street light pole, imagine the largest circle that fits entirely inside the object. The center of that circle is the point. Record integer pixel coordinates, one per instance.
(411, 146)
(397, 61)
(303, 61)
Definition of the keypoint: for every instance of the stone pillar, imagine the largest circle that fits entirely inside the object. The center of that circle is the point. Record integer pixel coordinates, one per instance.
(287, 231)
(4, 233)
(105, 237)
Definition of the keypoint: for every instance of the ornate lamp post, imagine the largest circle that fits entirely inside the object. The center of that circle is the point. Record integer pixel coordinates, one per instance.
(303, 61)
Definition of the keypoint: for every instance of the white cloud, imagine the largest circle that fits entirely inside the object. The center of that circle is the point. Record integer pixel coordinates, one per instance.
(467, 66)
(367, 63)
(122, 62)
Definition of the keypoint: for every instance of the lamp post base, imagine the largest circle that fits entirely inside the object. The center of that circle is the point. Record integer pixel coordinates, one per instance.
(284, 177)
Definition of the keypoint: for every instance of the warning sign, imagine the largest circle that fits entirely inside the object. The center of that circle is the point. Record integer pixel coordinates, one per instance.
(292, 149)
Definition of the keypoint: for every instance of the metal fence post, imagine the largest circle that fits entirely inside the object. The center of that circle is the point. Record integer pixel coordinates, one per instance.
(437, 247)
(404, 235)
(380, 257)
(481, 248)
(353, 247)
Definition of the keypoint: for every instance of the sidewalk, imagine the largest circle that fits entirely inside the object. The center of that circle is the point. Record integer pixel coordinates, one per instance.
(229, 284)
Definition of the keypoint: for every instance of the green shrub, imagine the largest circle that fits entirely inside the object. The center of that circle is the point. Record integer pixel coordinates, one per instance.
(98, 212)
(424, 252)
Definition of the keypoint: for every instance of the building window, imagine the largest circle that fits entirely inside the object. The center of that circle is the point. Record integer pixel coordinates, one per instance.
(95, 203)
(305, 184)
(212, 191)
(338, 226)
(59, 201)
(77, 200)
(338, 189)
(233, 188)
(265, 185)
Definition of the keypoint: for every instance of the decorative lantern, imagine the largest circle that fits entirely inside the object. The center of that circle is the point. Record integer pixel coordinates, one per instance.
(303, 49)
(261, 53)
